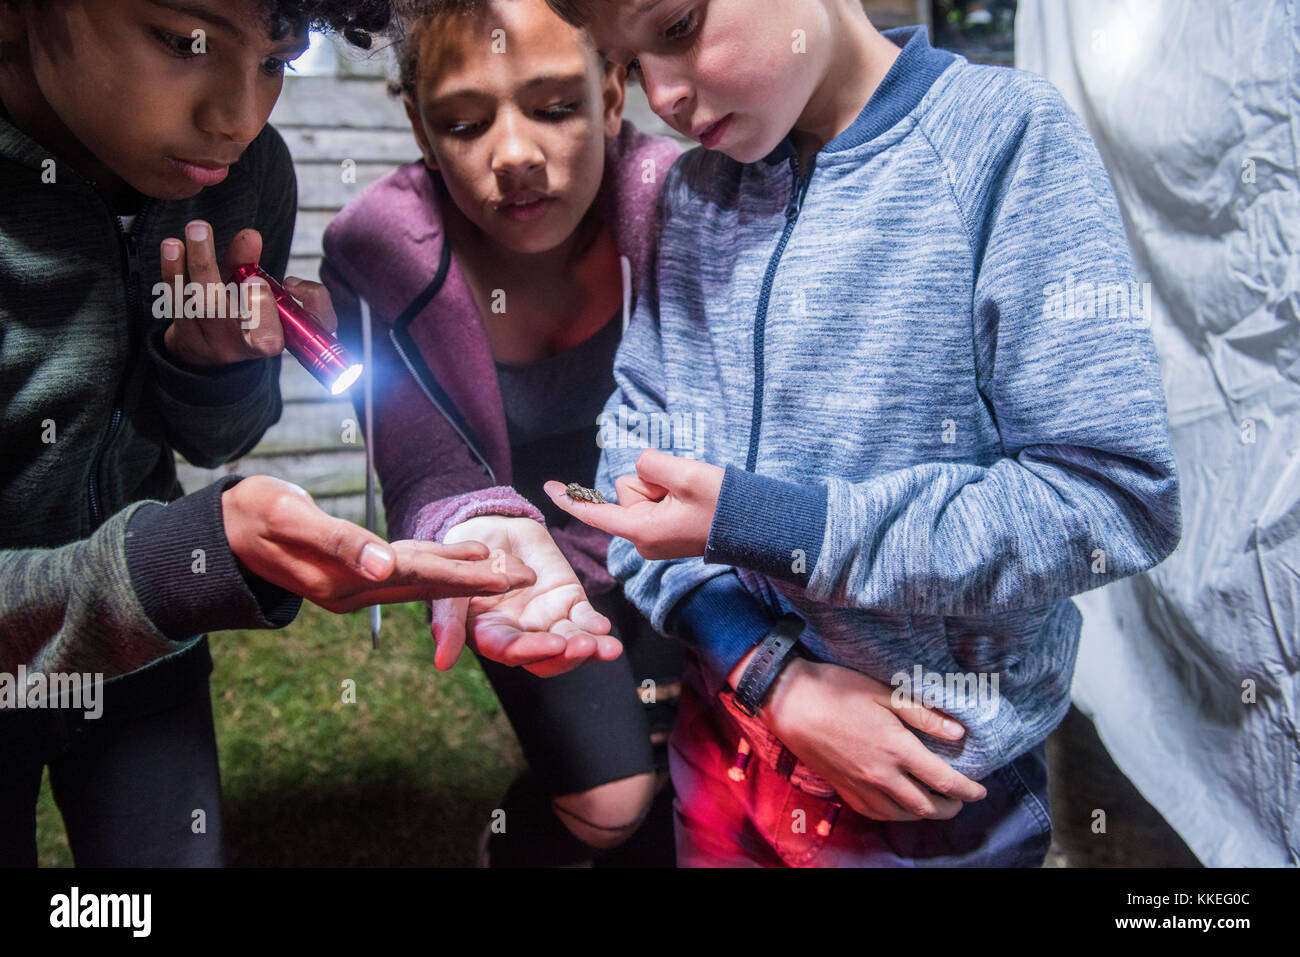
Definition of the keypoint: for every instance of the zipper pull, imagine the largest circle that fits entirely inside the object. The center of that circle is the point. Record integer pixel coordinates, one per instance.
(741, 763)
(132, 254)
(827, 823)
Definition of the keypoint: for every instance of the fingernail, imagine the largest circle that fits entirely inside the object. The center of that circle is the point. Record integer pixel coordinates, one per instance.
(171, 251)
(376, 561)
(953, 728)
(196, 232)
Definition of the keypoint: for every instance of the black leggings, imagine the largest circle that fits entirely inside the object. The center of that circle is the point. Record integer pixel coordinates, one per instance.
(593, 725)
(137, 787)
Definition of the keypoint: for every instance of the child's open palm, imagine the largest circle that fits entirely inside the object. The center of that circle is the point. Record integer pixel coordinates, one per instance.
(547, 627)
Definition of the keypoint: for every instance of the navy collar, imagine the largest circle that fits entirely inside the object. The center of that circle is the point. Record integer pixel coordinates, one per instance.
(908, 80)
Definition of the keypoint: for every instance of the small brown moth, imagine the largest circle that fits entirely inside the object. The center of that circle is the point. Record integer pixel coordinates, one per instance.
(577, 492)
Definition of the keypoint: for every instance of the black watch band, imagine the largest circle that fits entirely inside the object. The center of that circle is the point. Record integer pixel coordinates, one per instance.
(778, 646)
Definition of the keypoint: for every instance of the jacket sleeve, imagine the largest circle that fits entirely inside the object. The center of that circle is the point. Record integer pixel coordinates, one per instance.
(703, 604)
(213, 415)
(431, 482)
(1086, 489)
(151, 576)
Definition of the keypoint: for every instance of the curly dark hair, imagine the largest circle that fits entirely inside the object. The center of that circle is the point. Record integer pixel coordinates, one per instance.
(356, 20)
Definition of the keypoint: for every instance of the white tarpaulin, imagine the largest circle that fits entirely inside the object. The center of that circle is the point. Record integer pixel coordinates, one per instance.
(1190, 672)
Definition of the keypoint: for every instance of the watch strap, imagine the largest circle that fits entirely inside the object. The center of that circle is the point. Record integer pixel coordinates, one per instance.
(777, 648)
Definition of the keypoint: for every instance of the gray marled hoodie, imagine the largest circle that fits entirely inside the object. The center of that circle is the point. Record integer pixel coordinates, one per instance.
(934, 430)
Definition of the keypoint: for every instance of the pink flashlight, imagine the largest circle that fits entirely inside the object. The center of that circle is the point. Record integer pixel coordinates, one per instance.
(305, 338)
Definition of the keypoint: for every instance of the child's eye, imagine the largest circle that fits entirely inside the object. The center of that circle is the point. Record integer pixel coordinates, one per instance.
(273, 66)
(183, 48)
(559, 112)
(463, 129)
(682, 28)
(176, 44)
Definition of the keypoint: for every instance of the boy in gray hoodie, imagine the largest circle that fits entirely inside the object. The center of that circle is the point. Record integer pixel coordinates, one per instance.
(894, 298)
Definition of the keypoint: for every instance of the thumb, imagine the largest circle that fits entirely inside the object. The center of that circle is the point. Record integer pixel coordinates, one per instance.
(925, 719)
(261, 325)
(448, 630)
(315, 298)
(632, 490)
(658, 470)
(352, 545)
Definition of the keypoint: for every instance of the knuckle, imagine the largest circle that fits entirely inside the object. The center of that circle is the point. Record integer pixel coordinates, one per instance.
(268, 346)
(318, 586)
(946, 785)
(871, 777)
(280, 513)
(336, 540)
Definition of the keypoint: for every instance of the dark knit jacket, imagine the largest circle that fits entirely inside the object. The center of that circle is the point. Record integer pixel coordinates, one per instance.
(91, 577)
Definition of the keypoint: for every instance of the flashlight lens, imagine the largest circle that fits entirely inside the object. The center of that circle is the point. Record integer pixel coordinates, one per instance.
(346, 380)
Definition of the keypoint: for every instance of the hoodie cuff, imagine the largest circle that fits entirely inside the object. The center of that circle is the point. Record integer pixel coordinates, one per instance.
(769, 525)
(436, 519)
(722, 620)
(206, 386)
(187, 578)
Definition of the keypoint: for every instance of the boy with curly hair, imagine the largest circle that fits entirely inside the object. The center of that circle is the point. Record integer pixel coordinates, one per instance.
(123, 125)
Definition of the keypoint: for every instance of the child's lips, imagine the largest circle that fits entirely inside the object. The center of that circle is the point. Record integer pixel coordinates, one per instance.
(526, 206)
(711, 134)
(204, 172)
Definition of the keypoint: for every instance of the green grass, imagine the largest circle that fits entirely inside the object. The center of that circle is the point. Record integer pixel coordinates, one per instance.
(407, 775)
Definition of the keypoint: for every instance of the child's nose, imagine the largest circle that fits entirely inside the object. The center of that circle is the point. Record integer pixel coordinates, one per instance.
(666, 92)
(233, 111)
(515, 150)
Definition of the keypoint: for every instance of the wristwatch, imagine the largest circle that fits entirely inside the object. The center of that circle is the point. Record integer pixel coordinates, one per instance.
(778, 647)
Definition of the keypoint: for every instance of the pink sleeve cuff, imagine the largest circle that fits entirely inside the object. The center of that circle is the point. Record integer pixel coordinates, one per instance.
(437, 518)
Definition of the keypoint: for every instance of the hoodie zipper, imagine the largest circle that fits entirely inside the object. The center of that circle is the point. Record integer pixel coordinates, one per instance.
(792, 211)
(409, 362)
(132, 277)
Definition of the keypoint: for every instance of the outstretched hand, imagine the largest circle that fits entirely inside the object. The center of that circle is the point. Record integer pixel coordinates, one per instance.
(665, 509)
(280, 534)
(546, 628)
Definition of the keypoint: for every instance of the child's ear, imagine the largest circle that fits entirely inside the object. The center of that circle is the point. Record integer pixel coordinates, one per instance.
(614, 95)
(417, 127)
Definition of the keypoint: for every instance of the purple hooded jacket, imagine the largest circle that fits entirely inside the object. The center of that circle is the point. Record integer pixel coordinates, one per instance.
(441, 448)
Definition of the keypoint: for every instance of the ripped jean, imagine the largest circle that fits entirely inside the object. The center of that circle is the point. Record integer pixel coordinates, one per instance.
(765, 820)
